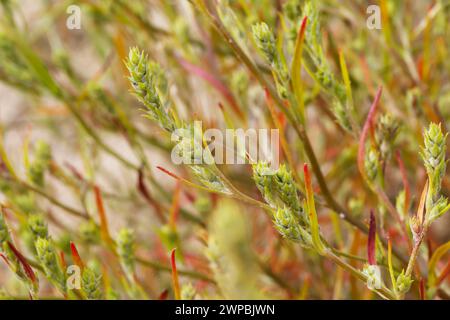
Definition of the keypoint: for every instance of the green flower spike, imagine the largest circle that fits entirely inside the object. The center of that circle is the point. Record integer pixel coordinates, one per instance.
(278, 188)
(265, 41)
(371, 164)
(38, 226)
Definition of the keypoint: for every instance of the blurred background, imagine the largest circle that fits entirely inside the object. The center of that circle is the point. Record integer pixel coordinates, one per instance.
(68, 88)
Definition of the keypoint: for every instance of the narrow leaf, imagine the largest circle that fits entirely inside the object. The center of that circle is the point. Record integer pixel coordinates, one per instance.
(296, 70)
(315, 232)
(365, 132)
(372, 240)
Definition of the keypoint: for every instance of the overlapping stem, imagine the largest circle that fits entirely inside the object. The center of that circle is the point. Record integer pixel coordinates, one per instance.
(299, 129)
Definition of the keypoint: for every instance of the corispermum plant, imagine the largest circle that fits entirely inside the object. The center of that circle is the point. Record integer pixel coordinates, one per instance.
(134, 162)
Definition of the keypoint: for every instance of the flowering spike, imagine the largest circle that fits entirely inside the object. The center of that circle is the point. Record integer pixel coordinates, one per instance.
(173, 175)
(164, 295)
(372, 240)
(76, 256)
(312, 214)
(175, 281)
(403, 282)
(406, 186)
(175, 208)
(102, 214)
(48, 259)
(143, 190)
(125, 249)
(91, 282)
(215, 82)
(287, 225)
(367, 125)
(62, 259)
(296, 69)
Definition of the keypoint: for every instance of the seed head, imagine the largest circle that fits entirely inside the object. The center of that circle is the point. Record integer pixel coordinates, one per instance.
(89, 232)
(265, 41)
(91, 282)
(312, 37)
(292, 10)
(373, 274)
(41, 162)
(188, 292)
(433, 155)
